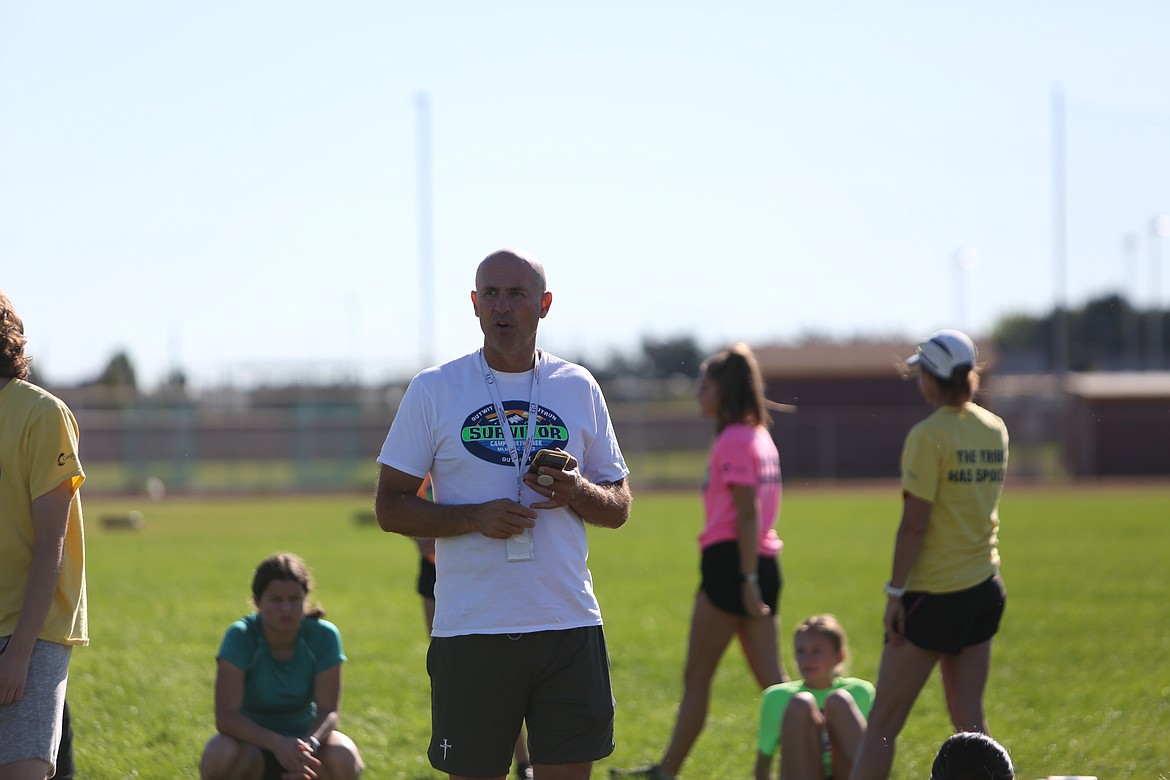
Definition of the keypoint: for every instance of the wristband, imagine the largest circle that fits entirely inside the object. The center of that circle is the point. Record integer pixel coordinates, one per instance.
(314, 744)
(893, 592)
(750, 576)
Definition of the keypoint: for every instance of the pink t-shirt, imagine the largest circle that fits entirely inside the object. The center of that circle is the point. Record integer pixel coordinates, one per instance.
(742, 455)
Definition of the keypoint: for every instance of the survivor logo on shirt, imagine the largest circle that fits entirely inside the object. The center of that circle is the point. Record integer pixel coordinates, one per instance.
(483, 435)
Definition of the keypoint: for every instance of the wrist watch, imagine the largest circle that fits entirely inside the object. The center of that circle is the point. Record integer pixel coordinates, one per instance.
(750, 576)
(314, 744)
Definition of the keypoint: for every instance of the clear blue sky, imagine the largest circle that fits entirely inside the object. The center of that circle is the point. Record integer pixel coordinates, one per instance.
(224, 186)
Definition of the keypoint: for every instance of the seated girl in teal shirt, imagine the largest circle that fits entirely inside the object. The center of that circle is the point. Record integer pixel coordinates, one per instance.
(817, 722)
(278, 687)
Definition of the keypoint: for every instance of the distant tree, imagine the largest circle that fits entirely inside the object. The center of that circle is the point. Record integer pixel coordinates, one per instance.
(658, 359)
(678, 356)
(173, 387)
(1021, 333)
(615, 366)
(1106, 333)
(176, 378)
(1095, 333)
(119, 372)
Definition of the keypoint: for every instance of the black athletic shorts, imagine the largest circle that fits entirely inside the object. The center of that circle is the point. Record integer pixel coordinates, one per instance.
(273, 770)
(722, 582)
(426, 577)
(483, 686)
(950, 622)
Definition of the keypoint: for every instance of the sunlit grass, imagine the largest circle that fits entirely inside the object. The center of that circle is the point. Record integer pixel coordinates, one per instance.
(1079, 681)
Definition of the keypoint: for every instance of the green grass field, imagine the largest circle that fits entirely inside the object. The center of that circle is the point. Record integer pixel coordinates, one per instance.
(1079, 684)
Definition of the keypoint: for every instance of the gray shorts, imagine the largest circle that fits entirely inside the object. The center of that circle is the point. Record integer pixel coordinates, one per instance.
(31, 728)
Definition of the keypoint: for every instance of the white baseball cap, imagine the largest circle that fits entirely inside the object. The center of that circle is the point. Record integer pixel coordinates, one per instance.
(945, 352)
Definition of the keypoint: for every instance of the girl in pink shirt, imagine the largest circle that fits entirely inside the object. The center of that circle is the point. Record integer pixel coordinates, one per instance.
(741, 581)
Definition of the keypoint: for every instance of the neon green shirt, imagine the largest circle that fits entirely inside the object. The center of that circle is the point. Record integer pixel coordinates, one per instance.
(776, 698)
(956, 459)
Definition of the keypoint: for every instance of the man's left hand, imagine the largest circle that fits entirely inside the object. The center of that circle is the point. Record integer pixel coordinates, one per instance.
(564, 489)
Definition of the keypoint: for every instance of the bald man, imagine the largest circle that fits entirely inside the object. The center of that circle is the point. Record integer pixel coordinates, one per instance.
(517, 634)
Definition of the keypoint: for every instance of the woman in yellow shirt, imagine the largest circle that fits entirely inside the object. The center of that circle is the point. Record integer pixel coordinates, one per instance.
(945, 597)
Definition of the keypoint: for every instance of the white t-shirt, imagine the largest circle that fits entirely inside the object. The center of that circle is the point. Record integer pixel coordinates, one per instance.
(446, 425)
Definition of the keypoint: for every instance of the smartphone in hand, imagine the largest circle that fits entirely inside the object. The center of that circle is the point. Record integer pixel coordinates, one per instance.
(557, 459)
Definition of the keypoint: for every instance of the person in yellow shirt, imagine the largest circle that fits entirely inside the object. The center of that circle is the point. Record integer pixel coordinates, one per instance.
(42, 560)
(945, 597)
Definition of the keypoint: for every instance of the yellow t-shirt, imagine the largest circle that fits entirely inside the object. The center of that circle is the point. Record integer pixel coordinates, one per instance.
(956, 459)
(38, 451)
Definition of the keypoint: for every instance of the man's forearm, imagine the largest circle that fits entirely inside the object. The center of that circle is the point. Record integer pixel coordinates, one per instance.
(413, 516)
(604, 504)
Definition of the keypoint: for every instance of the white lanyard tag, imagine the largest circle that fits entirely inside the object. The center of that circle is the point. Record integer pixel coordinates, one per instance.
(519, 547)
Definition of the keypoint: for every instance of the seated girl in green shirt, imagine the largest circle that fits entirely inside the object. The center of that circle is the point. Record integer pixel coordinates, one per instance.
(818, 721)
(278, 687)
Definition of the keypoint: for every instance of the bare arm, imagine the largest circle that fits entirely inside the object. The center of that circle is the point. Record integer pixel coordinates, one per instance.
(400, 510)
(604, 504)
(50, 516)
(230, 720)
(747, 529)
(907, 546)
(327, 695)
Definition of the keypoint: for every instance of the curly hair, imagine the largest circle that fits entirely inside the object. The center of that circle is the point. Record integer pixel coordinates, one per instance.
(13, 361)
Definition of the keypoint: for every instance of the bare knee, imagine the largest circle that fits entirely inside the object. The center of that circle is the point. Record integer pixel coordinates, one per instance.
(801, 713)
(840, 706)
(225, 758)
(26, 769)
(340, 758)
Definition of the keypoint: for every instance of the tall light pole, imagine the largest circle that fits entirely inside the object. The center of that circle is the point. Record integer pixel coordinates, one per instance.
(426, 230)
(1059, 235)
(1159, 230)
(1130, 357)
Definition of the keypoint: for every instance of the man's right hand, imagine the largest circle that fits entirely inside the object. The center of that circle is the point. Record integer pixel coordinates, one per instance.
(502, 518)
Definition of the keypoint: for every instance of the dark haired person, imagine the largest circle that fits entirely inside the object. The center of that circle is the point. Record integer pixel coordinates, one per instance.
(42, 561)
(945, 598)
(278, 687)
(739, 595)
(513, 590)
(971, 755)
